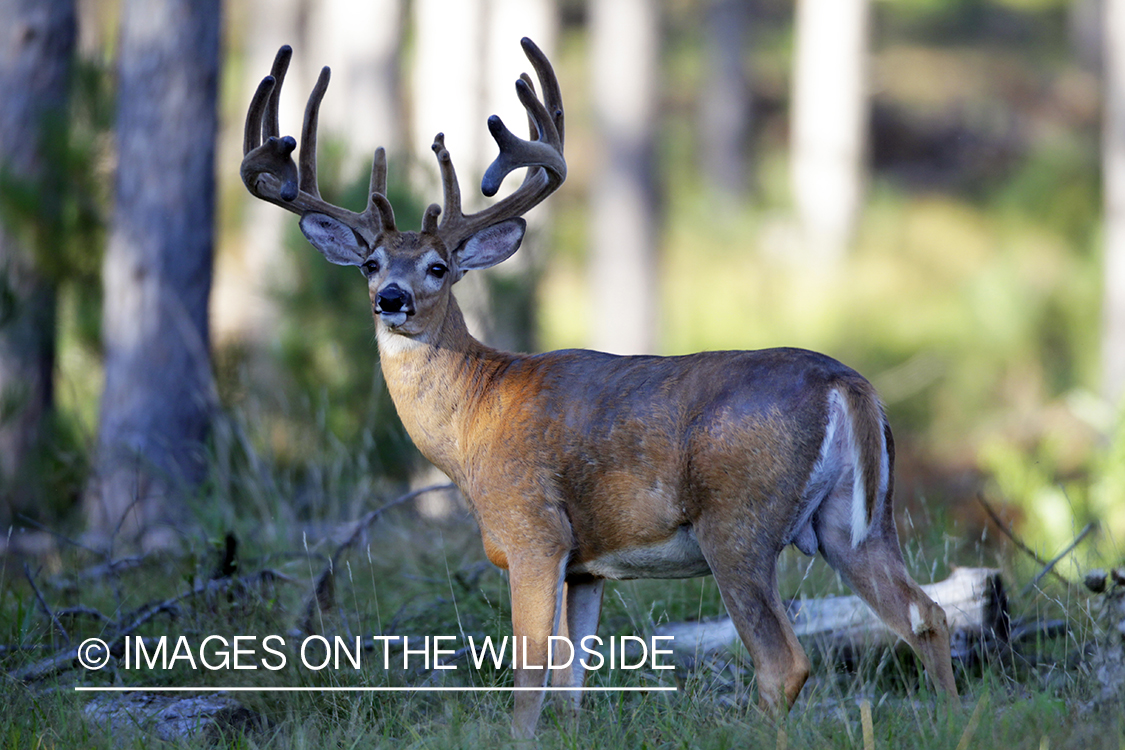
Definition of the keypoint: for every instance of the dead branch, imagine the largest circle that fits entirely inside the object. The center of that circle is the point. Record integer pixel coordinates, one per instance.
(67, 658)
(147, 612)
(73, 613)
(1050, 565)
(323, 597)
(43, 604)
(1016, 540)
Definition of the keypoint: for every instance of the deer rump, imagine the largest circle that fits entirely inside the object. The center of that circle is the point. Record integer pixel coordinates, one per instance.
(784, 442)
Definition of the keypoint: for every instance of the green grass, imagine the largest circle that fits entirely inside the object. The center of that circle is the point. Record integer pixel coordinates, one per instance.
(416, 576)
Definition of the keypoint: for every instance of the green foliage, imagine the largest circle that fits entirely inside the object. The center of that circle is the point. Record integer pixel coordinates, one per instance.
(1012, 22)
(1056, 503)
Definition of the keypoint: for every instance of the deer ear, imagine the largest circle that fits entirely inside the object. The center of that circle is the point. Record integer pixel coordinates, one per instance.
(491, 245)
(335, 240)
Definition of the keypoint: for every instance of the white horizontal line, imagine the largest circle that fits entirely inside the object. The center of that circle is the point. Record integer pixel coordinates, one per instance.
(339, 689)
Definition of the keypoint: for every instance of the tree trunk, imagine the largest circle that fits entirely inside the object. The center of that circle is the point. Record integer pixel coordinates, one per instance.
(725, 107)
(158, 394)
(361, 40)
(829, 121)
(37, 41)
(1113, 174)
(447, 96)
(623, 204)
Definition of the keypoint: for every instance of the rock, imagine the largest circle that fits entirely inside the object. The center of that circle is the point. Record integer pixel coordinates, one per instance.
(173, 718)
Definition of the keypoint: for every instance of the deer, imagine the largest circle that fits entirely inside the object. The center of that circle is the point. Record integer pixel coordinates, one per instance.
(580, 466)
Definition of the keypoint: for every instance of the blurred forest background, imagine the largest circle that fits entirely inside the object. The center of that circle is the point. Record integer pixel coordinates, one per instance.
(932, 191)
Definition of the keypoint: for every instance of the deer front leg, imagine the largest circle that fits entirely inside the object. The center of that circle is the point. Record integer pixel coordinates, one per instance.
(537, 581)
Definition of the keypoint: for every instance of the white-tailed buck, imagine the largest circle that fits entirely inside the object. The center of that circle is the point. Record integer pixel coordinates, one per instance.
(582, 466)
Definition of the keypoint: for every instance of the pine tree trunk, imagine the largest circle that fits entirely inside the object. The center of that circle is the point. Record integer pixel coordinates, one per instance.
(511, 286)
(726, 104)
(830, 107)
(244, 304)
(158, 394)
(37, 41)
(623, 204)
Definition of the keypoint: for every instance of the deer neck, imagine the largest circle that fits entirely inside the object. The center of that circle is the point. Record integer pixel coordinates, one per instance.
(436, 381)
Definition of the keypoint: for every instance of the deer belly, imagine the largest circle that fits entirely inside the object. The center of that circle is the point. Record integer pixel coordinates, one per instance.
(678, 556)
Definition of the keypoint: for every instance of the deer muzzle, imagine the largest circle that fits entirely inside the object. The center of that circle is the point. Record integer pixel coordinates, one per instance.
(394, 305)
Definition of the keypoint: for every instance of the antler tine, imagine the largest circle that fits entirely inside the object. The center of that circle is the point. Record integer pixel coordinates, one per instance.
(308, 134)
(450, 187)
(271, 125)
(552, 92)
(542, 154)
(515, 152)
(378, 182)
(377, 202)
(270, 173)
(252, 133)
(532, 127)
(377, 191)
(262, 118)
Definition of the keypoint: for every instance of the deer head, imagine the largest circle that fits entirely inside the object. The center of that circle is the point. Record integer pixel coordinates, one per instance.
(409, 273)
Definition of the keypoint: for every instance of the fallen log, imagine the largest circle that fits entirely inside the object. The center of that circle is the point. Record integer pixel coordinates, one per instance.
(974, 601)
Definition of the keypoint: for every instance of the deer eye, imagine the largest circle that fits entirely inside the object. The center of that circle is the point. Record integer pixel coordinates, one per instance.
(438, 270)
(371, 267)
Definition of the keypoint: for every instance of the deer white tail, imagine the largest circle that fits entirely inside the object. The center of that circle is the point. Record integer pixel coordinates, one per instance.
(855, 445)
(870, 458)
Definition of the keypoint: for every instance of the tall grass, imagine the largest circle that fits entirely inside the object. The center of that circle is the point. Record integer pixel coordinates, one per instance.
(416, 576)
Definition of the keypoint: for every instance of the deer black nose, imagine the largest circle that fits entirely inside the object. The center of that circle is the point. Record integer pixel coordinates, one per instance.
(394, 298)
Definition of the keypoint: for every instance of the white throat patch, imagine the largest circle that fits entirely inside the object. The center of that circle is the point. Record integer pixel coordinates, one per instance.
(393, 344)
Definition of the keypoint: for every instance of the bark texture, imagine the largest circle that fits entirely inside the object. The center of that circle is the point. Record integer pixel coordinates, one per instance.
(158, 394)
(726, 104)
(37, 40)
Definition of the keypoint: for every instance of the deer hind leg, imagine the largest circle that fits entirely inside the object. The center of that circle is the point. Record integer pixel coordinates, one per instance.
(876, 572)
(583, 605)
(747, 580)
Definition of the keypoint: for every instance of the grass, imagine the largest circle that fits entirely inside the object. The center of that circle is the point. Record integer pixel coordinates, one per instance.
(419, 576)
